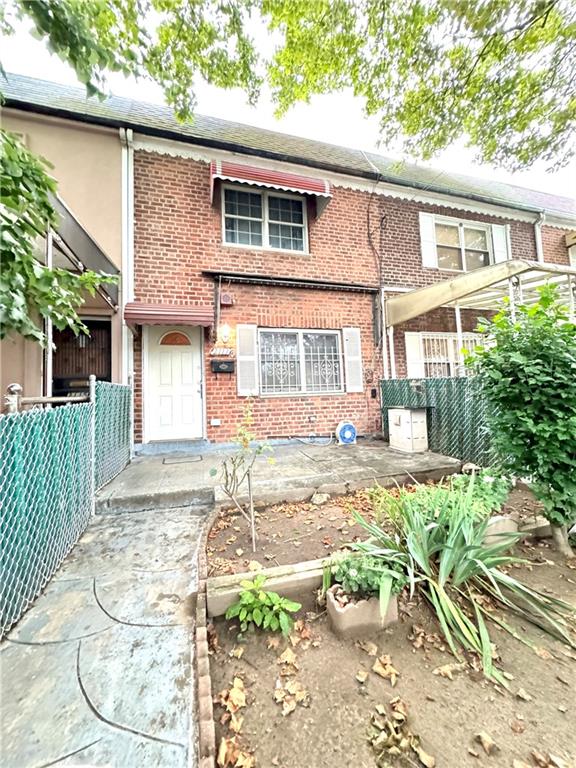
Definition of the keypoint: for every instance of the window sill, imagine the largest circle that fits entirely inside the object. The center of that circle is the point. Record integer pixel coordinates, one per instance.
(275, 395)
(263, 249)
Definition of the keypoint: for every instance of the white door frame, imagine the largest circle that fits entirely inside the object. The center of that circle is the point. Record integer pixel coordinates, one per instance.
(146, 381)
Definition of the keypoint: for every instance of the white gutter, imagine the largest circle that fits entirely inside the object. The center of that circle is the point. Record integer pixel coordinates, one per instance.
(538, 236)
(127, 142)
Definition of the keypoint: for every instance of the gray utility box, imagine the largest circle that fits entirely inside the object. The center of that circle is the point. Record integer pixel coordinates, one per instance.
(408, 430)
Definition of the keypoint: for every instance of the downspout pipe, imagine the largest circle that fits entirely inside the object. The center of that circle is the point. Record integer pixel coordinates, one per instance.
(127, 143)
(538, 236)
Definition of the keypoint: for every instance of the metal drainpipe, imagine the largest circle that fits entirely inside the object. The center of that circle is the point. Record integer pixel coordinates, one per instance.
(383, 334)
(538, 236)
(126, 141)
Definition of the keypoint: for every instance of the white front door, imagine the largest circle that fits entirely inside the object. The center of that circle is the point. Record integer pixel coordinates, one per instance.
(173, 393)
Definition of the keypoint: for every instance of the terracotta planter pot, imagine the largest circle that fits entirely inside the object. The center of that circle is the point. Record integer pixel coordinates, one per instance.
(361, 618)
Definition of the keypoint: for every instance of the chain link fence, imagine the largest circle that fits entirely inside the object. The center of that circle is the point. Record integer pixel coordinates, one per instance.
(112, 431)
(46, 492)
(51, 462)
(456, 414)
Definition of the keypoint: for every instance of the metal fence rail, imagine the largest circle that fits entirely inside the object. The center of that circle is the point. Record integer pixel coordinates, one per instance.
(112, 431)
(456, 414)
(46, 496)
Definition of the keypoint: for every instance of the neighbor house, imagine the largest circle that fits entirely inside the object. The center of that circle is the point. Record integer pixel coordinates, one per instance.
(297, 274)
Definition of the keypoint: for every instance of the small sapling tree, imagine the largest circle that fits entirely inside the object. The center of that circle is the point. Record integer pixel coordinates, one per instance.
(529, 378)
(237, 468)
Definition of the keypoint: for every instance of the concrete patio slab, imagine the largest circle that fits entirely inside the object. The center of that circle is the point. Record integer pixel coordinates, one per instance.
(297, 472)
(99, 670)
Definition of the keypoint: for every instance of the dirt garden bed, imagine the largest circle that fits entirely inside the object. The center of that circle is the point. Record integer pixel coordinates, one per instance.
(311, 705)
(290, 533)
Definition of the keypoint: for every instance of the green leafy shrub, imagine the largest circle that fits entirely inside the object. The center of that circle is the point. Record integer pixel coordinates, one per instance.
(440, 547)
(362, 577)
(490, 489)
(262, 608)
(528, 374)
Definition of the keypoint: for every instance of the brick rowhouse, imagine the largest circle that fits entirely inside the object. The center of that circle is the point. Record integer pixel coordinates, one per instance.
(178, 236)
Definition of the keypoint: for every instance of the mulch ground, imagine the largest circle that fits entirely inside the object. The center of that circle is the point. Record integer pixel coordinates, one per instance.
(306, 706)
(291, 533)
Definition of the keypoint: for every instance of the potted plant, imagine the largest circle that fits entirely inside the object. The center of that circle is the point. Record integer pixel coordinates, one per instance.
(362, 598)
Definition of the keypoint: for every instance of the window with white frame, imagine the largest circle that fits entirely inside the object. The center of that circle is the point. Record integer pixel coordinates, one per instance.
(264, 219)
(438, 355)
(458, 245)
(461, 246)
(300, 361)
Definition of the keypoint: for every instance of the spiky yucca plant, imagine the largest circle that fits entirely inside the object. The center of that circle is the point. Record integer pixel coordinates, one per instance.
(440, 539)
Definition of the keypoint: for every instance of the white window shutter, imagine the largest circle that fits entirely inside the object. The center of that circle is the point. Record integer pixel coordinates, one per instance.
(353, 360)
(500, 243)
(247, 360)
(414, 356)
(428, 239)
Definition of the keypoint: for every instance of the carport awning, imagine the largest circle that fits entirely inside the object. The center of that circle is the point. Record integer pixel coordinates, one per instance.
(265, 177)
(484, 289)
(78, 251)
(137, 313)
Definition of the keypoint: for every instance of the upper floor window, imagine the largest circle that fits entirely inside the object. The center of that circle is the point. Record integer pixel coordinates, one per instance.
(264, 219)
(461, 245)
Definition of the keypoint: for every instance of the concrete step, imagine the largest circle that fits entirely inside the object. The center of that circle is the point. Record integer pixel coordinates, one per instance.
(199, 501)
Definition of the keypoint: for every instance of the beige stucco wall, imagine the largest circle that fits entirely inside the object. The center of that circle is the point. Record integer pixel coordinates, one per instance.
(87, 164)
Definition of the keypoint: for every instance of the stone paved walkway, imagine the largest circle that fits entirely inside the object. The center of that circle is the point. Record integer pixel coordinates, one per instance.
(99, 671)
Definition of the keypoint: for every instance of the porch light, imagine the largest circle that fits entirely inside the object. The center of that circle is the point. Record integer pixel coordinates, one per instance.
(224, 333)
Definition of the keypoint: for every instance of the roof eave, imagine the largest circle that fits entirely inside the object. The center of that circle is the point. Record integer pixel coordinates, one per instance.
(371, 175)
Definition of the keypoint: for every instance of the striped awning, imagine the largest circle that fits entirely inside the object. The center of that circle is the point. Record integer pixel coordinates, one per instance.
(137, 313)
(265, 177)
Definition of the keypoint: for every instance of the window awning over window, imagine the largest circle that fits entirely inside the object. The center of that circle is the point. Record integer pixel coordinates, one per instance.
(137, 313)
(265, 177)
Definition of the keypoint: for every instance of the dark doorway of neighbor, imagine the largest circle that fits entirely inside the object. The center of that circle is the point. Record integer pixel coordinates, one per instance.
(76, 357)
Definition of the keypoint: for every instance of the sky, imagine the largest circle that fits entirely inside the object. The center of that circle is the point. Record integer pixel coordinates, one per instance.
(335, 118)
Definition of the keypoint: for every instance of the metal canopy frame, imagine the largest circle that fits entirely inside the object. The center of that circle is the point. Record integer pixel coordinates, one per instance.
(484, 289)
(73, 244)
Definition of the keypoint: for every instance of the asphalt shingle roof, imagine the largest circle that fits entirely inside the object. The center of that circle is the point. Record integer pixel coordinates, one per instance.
(52, 98)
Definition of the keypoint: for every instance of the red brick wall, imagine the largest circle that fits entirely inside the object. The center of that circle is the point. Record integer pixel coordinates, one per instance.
(554, 245)
(178, 234)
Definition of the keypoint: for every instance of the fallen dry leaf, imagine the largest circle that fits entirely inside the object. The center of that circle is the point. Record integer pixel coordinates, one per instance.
(235, 723)
(447, 670)
(427, 760)
(230, 753)
(287, 657)
(517, 726)
(370, 648)
(237, 652)
(488, 744)
(522, 694)
(233, 698)
(519, 764)
(254, 565)
(290, 695)
(273, 643)
(544, 653)
(361, 675)
(383, 667)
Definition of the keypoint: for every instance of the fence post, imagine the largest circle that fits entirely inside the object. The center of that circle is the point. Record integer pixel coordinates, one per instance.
(12, 398)
(92, 390)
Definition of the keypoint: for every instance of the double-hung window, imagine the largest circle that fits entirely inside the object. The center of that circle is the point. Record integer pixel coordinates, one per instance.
(264, 219)
(299, 362)
(462, 247)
